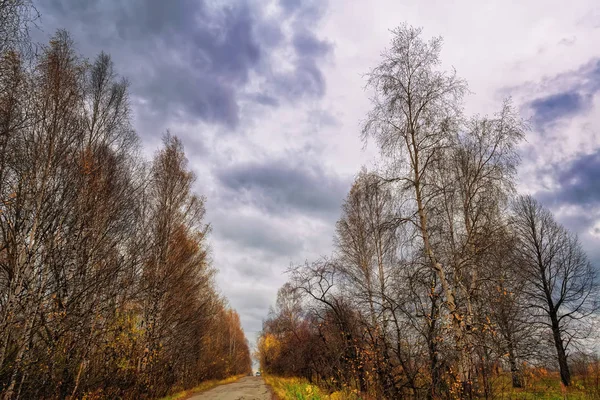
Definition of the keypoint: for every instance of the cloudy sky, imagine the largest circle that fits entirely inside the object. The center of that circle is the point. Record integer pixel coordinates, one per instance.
(268, 96)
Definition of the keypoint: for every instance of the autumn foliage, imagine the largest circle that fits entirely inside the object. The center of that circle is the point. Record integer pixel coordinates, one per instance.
(106, 283)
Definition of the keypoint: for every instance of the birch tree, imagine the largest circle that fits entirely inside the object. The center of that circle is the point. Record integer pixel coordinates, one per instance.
(416, 114)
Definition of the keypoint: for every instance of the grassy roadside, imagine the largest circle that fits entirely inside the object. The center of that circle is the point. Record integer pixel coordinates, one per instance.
(300, 389)
(202, 387)
(545, 386)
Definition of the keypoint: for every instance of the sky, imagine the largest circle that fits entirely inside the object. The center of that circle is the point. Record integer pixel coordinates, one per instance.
(268, 97)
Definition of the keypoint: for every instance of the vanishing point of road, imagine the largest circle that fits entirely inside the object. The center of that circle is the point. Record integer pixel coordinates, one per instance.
(248, 388)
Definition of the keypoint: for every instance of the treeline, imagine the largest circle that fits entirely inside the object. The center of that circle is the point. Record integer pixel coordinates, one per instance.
(444, 280)
(106, 285)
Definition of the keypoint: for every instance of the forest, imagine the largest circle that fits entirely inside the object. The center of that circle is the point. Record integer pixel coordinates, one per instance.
(106, 283)
(445, 281)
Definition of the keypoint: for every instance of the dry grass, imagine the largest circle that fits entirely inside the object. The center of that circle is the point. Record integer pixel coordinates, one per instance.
(543, 385)
(540, 385)
(300, 389)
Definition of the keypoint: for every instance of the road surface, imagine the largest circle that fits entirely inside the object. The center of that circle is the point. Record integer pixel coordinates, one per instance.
(247, 388)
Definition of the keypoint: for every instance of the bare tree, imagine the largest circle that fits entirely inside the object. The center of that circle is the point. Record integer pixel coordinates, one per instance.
(41, 175)
(366, 248)
(504, 308)
(562, 284)
(16, 17)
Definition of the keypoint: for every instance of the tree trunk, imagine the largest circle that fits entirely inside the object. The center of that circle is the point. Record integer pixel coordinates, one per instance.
(565, 374)
(28, 333)
(515, 371)
(456, 317)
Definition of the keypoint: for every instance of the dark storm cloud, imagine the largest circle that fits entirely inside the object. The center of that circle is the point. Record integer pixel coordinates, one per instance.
(576, 96)
(192, 59)
(578, 182)
(578, 189)
(280, 187)
(556, 106)
(306, 43)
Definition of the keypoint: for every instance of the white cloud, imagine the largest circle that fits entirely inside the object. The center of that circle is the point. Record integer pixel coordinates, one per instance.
(496, 46)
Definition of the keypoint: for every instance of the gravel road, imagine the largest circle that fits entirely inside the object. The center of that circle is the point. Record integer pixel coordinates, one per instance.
(247, 388)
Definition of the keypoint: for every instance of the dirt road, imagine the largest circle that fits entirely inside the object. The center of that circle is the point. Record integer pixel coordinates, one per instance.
(247, 388)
